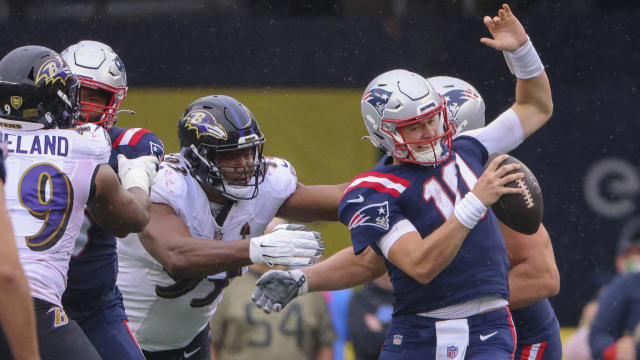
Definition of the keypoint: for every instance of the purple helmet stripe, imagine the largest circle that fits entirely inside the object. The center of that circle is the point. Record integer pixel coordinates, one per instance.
(235, 117)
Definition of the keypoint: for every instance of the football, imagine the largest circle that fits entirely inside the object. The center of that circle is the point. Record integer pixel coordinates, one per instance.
(520, 212)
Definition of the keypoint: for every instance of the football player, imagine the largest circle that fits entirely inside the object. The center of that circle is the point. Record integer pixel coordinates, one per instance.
(533, 276)
(210, 206)
(16, 306)
(55, 169)
(92, 297)
(449, 272)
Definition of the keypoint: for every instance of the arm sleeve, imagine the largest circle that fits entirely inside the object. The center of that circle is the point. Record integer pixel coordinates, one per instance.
(502, 135)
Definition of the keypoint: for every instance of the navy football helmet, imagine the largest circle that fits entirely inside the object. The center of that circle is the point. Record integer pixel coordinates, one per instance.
(37, 90)
(218, 127)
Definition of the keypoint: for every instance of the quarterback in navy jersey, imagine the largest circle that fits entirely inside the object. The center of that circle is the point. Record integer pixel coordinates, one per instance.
(450, 273)
(92, 297)
(533, 274)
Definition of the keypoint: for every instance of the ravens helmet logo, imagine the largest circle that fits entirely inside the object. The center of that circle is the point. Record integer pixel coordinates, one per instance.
(204, 124)
(53, 70)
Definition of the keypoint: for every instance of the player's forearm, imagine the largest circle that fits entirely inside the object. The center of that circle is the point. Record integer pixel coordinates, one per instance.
(534, 103)
(122, 215)
(17, 315)
(194, 257)
(433, 253)
(139, 214)
(16, 305)
(313, 203)
(344, 270)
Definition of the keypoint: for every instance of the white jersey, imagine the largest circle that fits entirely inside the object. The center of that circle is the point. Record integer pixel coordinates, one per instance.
(166, 315)
(49, 174)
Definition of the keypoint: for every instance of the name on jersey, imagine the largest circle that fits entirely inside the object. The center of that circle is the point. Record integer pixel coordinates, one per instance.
(38, 144)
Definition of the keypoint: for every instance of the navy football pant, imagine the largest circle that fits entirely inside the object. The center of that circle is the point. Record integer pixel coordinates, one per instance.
(198, 349)
(491, 336)
(549, 347)
(114, 340)
(58, 336)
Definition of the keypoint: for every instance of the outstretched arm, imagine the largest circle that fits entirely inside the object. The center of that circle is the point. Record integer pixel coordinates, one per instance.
(16, 306)
(533, 104)
(311, 203)
(169, 241)
(343, 270)
(118, 210)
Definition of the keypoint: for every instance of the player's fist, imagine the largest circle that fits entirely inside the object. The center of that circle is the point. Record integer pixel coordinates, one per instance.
(138, 172)
(276, 288)
(287, 244)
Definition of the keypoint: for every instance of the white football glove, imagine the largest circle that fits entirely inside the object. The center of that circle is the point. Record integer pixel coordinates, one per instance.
(276, 288)
(138, 172)
(287, 244)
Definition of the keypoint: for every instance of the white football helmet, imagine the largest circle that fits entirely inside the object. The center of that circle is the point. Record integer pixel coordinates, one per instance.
(399, 98)
(98, 67)
(465, 106)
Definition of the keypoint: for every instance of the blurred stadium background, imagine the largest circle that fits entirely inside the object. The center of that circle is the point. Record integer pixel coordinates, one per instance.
(300, 66)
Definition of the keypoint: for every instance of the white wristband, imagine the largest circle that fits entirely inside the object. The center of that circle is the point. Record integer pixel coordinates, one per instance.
(469, 210)
(524, 63)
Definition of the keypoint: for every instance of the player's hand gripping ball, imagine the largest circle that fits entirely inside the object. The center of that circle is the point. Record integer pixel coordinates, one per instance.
(520, 212)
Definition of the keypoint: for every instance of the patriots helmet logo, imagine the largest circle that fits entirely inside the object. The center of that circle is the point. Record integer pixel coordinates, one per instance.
(456, 98)
(53, 70)
(378, 98)
(205, 124)
(376, 215)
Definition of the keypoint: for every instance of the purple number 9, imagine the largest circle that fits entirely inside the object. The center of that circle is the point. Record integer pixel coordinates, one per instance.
(47, 193)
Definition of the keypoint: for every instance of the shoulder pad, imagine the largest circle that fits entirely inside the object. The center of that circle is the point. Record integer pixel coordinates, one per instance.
(280, 177)
(170, 185)
(379, 182)
(130, 137)
(94, 141)
(137, 142)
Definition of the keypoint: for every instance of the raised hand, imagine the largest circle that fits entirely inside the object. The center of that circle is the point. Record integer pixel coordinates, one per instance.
(287, 244)
(276, 288)
(508, 34)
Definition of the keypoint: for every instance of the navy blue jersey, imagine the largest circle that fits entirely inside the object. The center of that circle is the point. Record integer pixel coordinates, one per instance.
(94, 266)
(618, 313)
(534, 322)
(425, 195)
